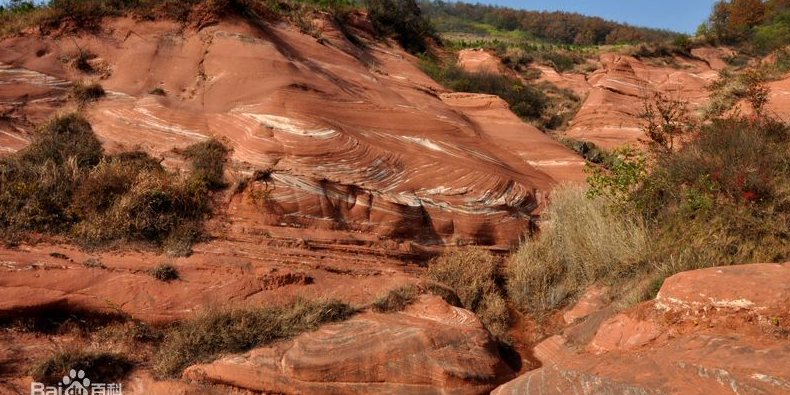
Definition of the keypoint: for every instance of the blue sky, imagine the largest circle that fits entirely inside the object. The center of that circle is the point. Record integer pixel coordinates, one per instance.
(678, 15)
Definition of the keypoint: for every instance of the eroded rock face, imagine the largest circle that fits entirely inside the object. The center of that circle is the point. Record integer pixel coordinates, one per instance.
(610, 115)
(355, 139)
(478, 60)
(711, 331)
(779, 98)
(429, 348)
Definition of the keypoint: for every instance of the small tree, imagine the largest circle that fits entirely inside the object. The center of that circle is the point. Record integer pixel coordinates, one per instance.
(756, 92)
(665, 121)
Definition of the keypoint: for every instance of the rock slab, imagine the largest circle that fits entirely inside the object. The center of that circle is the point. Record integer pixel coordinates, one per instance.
(429, 348)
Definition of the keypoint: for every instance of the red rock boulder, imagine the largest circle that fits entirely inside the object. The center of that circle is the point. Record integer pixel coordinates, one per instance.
(429, 348)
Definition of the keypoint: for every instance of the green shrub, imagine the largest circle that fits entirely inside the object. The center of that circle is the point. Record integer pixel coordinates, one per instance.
(723, 197)
(472, 273)
(214, 332)
(581, 242)
(559, 61)
(164, 272)
(621, 171)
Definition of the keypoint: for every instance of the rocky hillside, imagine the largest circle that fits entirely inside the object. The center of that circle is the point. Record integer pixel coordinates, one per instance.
(330, 120)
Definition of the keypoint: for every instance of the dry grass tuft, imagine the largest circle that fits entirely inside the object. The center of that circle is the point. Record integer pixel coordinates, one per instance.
(164, 272)
(63, 183)
(103, 367)
(84, 92)
(208, 163)
(395, 300)
(472, 273)
(582, 242)
(214, 332)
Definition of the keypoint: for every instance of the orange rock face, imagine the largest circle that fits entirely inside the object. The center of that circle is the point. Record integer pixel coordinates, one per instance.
(711, 331)
(479, 60)
(429, 348)
(779, 98)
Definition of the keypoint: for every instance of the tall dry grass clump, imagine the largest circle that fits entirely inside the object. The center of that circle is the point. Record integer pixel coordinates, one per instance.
(472, 273)
(582, 241)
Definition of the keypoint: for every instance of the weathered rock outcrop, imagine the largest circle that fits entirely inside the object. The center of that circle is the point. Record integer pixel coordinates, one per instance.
(711, 331)
(610, 115)
(429, 348)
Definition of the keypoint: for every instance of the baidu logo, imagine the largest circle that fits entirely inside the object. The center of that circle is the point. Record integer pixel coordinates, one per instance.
(75, 383)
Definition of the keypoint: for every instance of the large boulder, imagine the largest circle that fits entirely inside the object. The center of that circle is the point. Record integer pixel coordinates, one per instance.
(429, 348)
(690, 365)
(764, 287)
(717, 331)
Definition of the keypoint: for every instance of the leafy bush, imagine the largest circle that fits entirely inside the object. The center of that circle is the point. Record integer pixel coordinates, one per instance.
(581, 242)
(472, 273)
(559, 61)
(723, 197)
(214, 332)
(665, 122)
(621, 171)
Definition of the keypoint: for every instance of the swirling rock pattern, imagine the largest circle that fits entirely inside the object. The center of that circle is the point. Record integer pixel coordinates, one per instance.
(357, 140)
